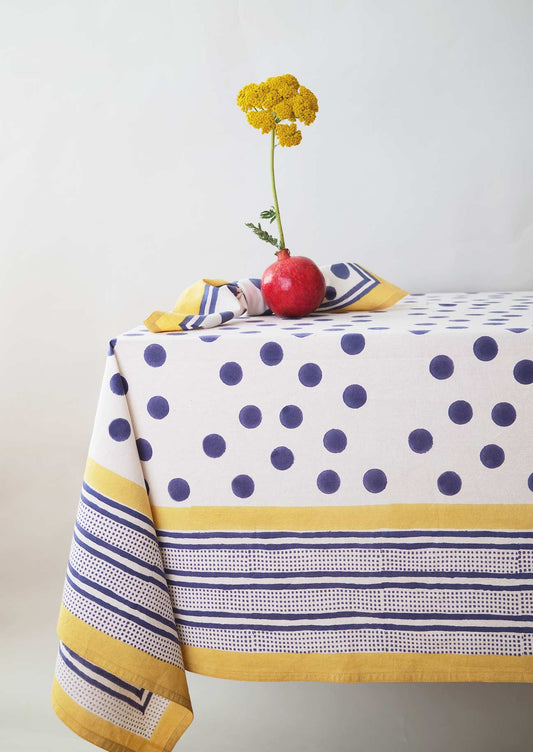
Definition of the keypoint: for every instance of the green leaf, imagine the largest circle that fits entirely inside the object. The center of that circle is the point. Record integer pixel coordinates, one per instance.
(269, 214)
(262, 234)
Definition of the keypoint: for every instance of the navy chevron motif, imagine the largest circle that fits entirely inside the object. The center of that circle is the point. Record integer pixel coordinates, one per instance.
(83, 668)
(356, 292)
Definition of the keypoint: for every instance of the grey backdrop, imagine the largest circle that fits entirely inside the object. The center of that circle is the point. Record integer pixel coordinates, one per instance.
(127, 172)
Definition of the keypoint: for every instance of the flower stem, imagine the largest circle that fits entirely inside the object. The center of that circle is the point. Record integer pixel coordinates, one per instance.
(276, 205)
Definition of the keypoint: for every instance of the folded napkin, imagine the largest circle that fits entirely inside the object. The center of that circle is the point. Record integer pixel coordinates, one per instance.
(211, 302)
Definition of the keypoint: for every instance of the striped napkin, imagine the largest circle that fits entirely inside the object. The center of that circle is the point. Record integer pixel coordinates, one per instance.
(211, 302)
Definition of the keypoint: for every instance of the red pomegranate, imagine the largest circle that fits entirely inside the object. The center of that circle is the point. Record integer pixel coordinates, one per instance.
(292, 286)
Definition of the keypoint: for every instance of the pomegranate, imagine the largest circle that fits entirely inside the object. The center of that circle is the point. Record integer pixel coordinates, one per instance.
(292, 286)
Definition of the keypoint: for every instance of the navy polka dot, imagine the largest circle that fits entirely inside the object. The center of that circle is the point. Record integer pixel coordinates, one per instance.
(282, 458)
(331, 292)
(492, 456)
(209, 338)
(118, 384)
(214, 445)
(335, 440)
(271, 353)
(352, 344)
(523, 372)
(503, 414)
(242, 486)
(375, 480)
(158, 407)
(460, 412)
(530, 482)
(179, 489)
(485, 348)
(119, 429)
(291, 416)
(155, 355)
(145, 449)
(441, 367)
(449, 483)
(250, 416)
(354, 396)
(230, 373)
(328, 481)
(112, 343)
(420, 440)
(310, 374)
(340, 270)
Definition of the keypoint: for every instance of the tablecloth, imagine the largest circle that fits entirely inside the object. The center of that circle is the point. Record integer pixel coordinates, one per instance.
(343, 497)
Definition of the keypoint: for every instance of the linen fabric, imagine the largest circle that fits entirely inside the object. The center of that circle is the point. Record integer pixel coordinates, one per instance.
(341, 498)
(211, 302)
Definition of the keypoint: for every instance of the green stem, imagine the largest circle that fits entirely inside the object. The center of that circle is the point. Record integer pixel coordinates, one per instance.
(276, 205)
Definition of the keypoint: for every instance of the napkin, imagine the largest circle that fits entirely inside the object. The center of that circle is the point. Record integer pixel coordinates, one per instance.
(211, 302)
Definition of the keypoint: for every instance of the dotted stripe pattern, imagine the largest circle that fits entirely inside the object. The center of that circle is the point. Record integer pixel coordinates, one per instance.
(253, 595)
(115, 580)
(358, 641)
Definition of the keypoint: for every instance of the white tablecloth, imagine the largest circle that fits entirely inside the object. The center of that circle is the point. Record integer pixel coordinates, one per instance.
(344, 497)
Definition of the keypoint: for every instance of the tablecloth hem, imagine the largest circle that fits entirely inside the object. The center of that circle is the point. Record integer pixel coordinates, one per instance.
(367, 677)
(169, 738)
(357, 666)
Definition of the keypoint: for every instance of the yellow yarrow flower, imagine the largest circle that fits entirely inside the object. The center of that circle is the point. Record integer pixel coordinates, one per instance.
(309, 98)
(278, 98)
(284, 111)
(286, 86)
(267, 96)
(305, 106)
(262, 119)
(288, 135)
(247, 97)
(267, 105)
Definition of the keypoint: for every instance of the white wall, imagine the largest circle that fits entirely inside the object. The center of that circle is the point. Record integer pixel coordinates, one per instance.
(127, 172)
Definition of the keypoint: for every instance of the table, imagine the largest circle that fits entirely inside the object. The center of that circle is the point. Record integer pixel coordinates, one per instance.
(345, 497)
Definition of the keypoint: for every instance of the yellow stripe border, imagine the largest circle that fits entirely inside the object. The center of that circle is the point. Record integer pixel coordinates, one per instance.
(358, 667)
(367, 517)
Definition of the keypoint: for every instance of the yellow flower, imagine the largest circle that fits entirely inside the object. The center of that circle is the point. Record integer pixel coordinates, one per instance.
(278, 98)
(267, 105)
(262, 119)
(309, 98)
(286, 85)
(305, 106)
(267, 96)
(248, 97)
(288, 135)
(283, 110)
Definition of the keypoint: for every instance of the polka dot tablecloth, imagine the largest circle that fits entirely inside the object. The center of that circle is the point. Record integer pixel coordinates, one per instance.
(344, 497)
